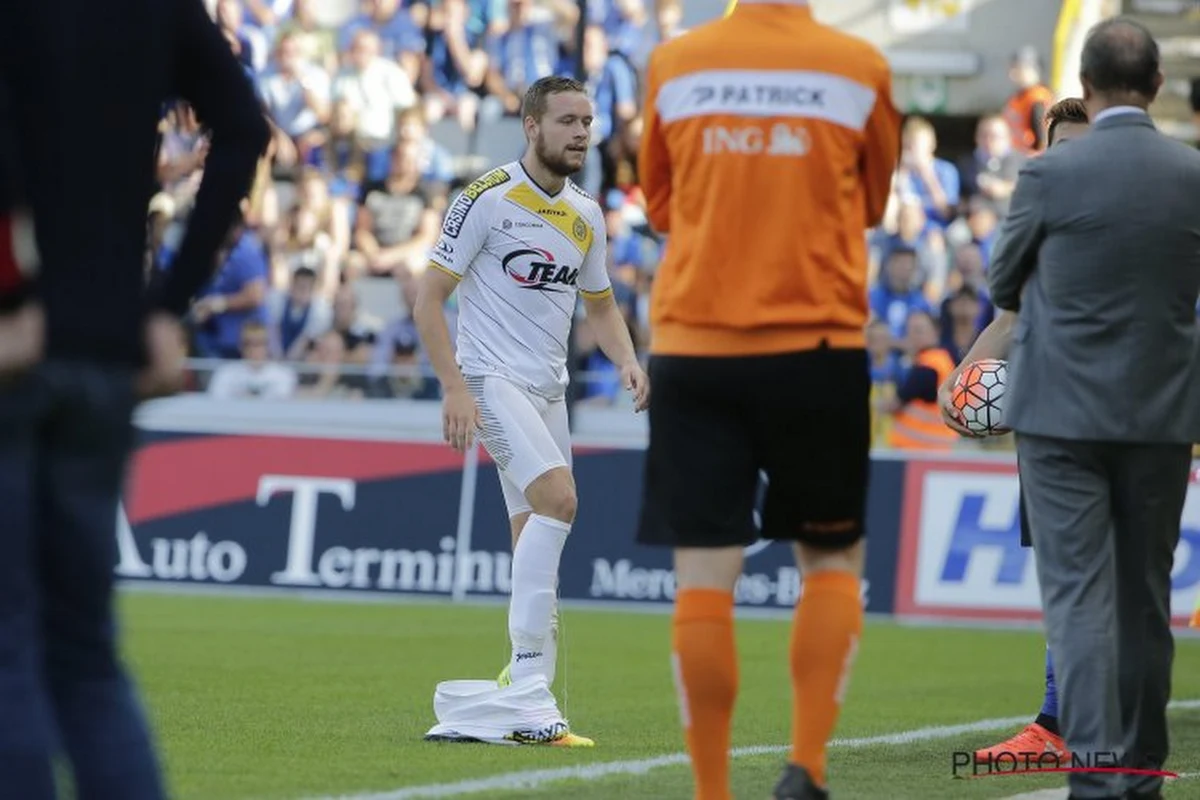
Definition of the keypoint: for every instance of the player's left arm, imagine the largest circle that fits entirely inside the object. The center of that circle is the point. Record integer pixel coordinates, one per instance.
(1016, 251)
(612, 335)
(607, 322)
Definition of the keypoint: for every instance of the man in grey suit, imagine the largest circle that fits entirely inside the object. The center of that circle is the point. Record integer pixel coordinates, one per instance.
(1100, 257)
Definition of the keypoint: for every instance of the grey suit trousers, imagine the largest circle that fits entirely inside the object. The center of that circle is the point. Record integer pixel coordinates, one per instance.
(1105, 519)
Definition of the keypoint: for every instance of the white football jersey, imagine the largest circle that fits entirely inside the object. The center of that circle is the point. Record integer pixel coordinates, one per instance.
(523, 256)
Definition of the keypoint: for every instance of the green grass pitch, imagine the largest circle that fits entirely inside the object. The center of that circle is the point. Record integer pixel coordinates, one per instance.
(282, 699)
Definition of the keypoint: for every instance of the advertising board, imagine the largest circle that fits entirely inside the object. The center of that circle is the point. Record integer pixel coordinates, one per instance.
(960, 551)
(312, 513)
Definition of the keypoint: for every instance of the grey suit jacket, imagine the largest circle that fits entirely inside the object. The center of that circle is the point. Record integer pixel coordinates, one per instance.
(1100, 254)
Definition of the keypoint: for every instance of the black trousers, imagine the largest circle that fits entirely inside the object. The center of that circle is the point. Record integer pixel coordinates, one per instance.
(65, 437)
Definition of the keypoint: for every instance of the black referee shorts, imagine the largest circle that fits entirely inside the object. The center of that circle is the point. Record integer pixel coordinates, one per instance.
(801, 418)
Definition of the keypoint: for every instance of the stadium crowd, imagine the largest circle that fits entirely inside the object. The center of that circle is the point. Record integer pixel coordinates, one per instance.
(351, 193)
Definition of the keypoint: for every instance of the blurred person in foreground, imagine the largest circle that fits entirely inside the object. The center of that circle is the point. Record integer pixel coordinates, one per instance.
(521, 245)
(736, 352)
(1103, 396)
(1065, 121)
(81, 341)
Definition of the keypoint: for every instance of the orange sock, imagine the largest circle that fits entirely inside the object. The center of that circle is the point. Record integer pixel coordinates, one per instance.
(704, 657)
(825, 634)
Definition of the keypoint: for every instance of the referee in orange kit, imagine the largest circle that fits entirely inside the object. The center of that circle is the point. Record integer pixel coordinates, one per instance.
(769, 146)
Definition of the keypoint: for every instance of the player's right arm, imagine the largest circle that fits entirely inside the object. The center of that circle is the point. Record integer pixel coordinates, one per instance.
(464, 232)
(460, 414)
(993, 341)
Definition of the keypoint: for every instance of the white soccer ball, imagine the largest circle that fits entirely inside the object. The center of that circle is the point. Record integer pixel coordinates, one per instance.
(979, 396)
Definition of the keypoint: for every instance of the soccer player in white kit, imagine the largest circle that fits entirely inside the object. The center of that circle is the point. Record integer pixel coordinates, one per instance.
(520, 245)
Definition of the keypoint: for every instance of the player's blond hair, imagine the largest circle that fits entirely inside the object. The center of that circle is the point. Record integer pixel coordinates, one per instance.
(538, 95)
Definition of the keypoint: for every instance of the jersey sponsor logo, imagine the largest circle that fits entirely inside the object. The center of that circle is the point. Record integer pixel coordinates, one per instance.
(778, 140)
(444, 247)
(741, 94)
(458, 212)
(766, 94)
(551, 212)
(509, 224)
(538, 269)
(736, 94)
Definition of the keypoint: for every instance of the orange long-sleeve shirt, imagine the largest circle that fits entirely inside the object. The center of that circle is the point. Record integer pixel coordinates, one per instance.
(768, 149)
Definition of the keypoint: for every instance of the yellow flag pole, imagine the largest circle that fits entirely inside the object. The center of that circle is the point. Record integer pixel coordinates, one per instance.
(730, 7)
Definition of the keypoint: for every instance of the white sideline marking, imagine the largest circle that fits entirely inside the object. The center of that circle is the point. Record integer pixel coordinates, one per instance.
(534, 779)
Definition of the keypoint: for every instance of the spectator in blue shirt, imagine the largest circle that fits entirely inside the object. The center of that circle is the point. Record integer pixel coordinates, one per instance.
(235, 296)
(268, 15)
(969, 270)
(598, 12)
(524, 53)
(881, 348)
(895, 297)
(486, 18)
(399, 37)
(297, 95)
(613, 84)
(436, 163)
(984, 226)
(961, 314)
(934, 180)
(456, 67)
(624, 245)
(627, 28)
(343, 155)
(913, 232)
(248, 42)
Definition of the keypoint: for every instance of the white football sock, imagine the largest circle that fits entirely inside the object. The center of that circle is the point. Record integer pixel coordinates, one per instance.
(534, 591)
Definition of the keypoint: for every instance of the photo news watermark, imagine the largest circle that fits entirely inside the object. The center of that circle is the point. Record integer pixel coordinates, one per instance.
(964, 764)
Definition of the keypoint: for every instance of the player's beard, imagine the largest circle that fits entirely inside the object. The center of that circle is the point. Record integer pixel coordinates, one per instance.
(555, 162)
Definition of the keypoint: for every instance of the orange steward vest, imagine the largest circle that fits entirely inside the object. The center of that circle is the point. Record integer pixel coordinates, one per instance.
(918, 424)
(1018, 112)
